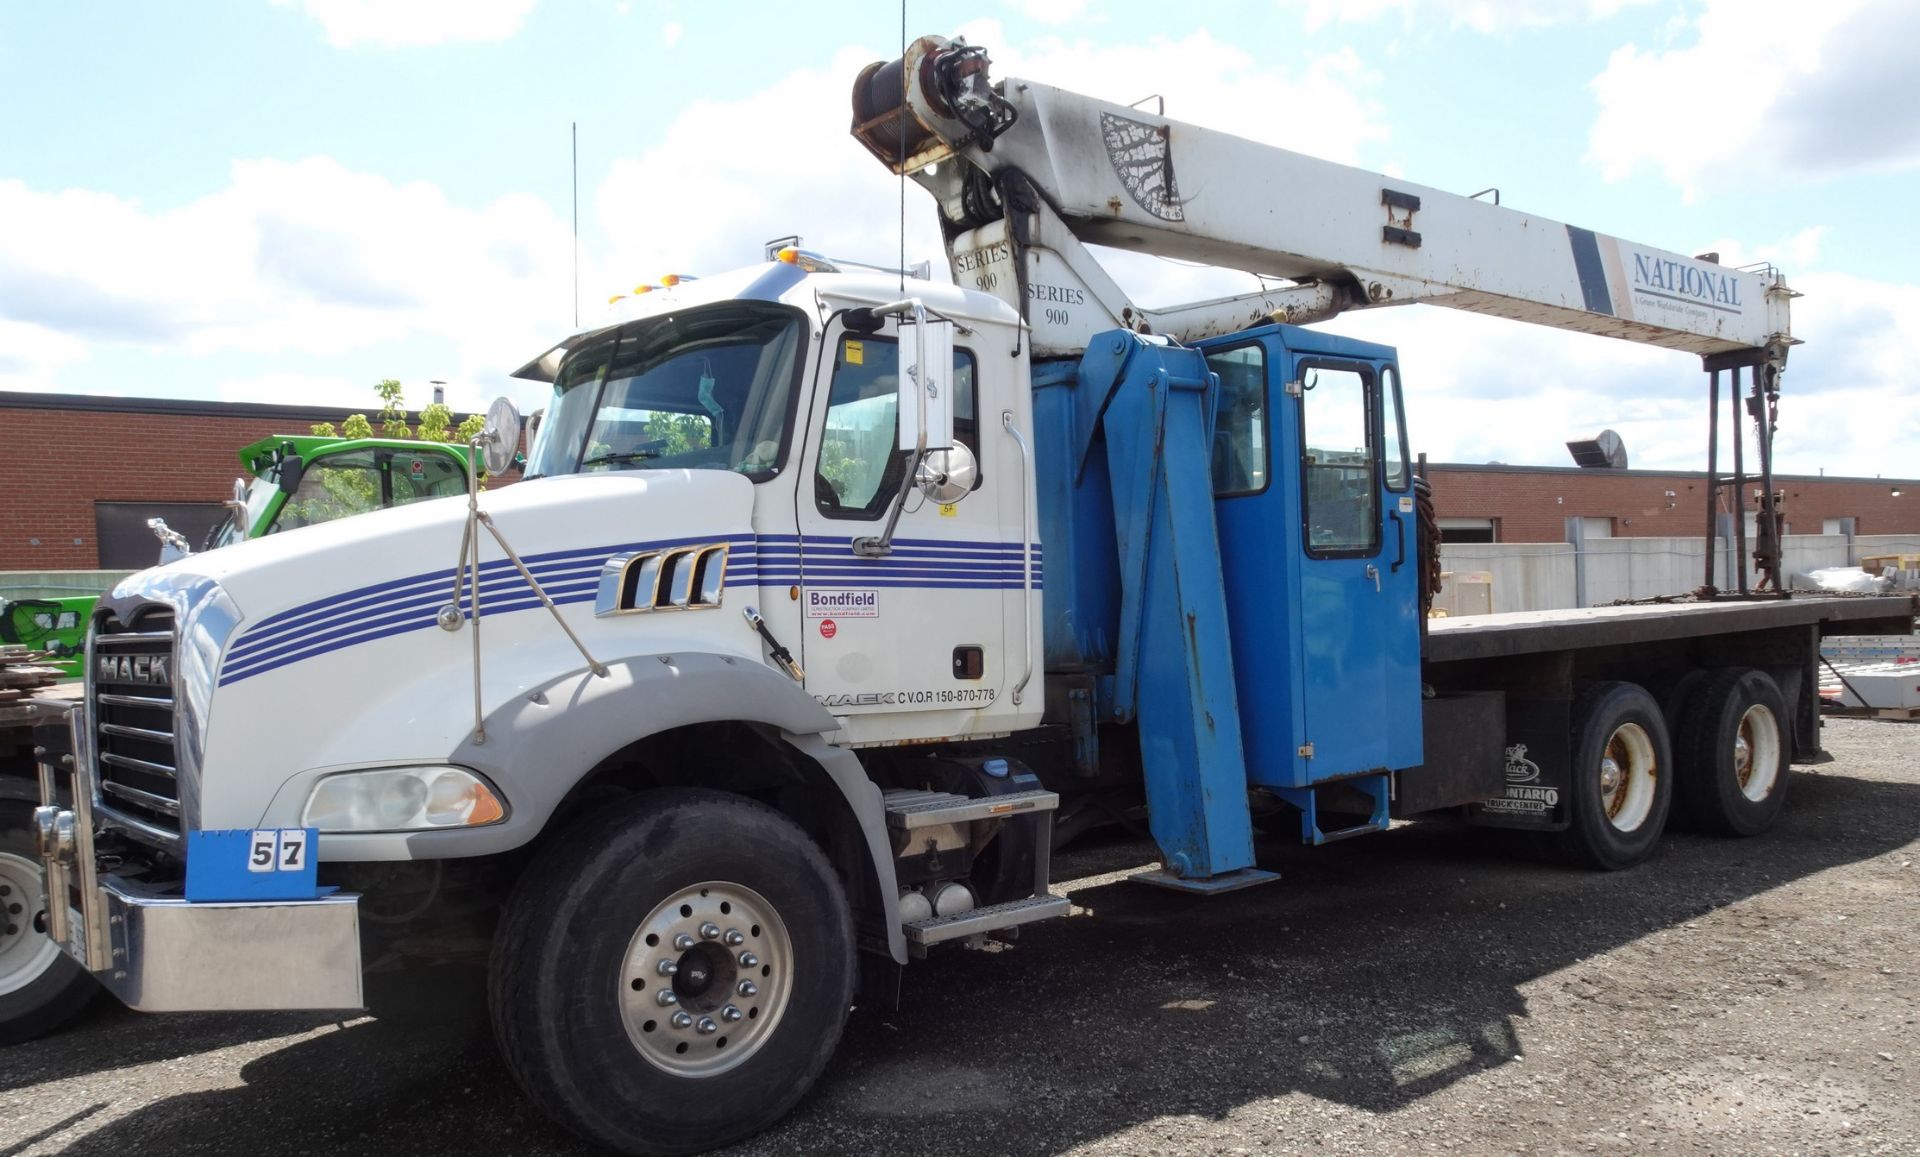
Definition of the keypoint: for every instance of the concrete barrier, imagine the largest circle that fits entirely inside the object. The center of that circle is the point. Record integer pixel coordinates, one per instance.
(47, 584)
(1544, 576)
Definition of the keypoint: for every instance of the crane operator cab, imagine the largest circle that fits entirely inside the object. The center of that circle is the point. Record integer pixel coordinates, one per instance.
(1318, 534)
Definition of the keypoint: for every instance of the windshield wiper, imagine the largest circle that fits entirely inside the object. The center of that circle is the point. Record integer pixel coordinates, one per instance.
(629, 456)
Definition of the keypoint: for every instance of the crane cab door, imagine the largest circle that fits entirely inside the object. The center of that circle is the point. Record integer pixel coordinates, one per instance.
(1318, 533)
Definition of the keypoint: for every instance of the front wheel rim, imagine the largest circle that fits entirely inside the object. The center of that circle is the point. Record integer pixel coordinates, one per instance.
(706, 979)
(1629, 777)
(25, 952)
(1756, 752)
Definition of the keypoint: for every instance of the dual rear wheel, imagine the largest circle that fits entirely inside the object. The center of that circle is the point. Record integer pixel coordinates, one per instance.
(1725, 765)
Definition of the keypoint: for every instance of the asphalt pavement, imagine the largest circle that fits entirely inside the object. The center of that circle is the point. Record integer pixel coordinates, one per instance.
(1431, 989)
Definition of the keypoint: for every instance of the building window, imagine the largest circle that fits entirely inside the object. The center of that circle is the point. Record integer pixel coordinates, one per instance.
(127, 544)
(1458, 530)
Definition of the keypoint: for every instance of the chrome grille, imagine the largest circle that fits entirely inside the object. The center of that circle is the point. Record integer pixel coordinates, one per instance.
(130, 679)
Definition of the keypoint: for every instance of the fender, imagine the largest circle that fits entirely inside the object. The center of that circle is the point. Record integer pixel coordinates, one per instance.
(541, 743)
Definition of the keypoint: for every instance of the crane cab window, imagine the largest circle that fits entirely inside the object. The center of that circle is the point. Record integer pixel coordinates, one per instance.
(859, 470)
(1338, 454)
(1393, 419)
(1240, 421)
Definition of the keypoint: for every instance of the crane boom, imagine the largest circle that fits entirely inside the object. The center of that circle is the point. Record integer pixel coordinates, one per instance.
(1043, 172)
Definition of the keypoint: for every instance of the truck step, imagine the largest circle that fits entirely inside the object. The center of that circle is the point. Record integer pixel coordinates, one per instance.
(988, 919)
(907, 810)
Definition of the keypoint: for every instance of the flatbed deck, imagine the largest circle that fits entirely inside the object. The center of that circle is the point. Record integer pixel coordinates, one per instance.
(1470, 637)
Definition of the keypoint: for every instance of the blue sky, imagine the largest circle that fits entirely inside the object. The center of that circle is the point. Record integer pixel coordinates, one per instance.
(286, 201)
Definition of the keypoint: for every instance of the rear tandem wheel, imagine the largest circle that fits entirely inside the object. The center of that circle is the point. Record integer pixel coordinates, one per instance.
(1621, 786)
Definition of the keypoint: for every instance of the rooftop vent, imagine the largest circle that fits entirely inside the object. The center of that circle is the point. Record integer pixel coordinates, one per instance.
(1605, 452)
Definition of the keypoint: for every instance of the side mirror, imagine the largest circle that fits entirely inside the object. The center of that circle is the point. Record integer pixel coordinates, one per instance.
(292, 469)
(238, 502)
(500, 438)
(947, 476)
(926, 383)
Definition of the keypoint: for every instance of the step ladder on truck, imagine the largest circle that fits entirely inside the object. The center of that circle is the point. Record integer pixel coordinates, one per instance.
(829, 592)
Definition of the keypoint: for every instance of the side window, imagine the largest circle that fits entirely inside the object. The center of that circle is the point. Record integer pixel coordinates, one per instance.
(1393, 416)
(1240, 421)
(859, 470)
(336, 486)
(1337, 452)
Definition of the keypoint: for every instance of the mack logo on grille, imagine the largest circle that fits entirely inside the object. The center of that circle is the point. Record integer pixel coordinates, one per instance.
(149, 669)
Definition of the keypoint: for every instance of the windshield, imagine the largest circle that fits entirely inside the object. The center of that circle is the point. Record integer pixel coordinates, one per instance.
(710, 389)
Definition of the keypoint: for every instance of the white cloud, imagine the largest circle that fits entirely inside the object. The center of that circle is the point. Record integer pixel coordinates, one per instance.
(32, 355)
(672, 32)
(697, 202)
(1487, 16)
(404, 23)
(290, 259)
(1053, 12)
(1764, 90)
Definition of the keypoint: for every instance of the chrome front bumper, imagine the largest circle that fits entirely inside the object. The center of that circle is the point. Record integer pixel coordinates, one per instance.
(160, 953)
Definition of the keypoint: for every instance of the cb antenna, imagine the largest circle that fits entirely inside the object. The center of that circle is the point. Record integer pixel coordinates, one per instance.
(903, 147)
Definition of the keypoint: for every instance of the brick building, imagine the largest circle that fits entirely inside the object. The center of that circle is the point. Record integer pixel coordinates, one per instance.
(73, 466)
(1533, 503)
(79, 476)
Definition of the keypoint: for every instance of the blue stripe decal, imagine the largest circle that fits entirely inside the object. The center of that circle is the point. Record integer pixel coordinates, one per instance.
(398, 606)
(1593, 275)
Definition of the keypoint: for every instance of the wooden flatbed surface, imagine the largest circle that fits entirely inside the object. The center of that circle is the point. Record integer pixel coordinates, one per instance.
(1531, 632)
(43, 703)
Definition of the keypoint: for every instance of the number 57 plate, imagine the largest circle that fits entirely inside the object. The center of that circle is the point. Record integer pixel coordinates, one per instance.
(256, 864)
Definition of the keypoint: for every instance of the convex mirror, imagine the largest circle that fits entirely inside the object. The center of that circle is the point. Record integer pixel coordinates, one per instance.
(947, 476)
(500, 438)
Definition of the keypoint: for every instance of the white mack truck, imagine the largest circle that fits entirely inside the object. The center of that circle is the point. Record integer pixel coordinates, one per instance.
(761, 685)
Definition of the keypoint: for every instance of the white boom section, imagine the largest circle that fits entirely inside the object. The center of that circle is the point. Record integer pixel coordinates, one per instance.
(1112, 175)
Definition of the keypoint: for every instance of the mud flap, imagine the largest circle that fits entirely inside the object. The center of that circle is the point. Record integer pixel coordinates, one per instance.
(1538, 754)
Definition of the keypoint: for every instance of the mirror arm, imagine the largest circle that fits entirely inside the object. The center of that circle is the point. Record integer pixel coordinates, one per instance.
(878, 547)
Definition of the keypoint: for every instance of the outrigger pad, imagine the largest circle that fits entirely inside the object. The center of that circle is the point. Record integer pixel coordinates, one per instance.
(1210, 886)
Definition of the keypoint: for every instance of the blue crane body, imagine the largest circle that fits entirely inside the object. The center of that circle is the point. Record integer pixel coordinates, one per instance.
(1245, 655)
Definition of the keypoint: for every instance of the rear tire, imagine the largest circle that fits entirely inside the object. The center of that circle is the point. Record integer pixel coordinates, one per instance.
(41, 987)
(1732, 753)
(755, 925)
(1621, 786)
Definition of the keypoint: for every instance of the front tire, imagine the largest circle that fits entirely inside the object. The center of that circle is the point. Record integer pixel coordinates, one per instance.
(673, 973)
(1621, 786)
(1732, 751)
(41, 987)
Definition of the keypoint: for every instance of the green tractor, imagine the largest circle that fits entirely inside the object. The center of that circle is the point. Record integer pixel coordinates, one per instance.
(295, 480)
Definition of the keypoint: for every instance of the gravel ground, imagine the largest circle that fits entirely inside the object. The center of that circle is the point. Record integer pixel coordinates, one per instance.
(1419, 991)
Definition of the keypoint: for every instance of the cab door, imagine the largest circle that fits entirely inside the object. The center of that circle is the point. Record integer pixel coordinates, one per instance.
(1358, 566)
(888, 641)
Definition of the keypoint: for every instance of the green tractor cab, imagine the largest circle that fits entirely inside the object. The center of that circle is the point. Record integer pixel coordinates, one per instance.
(294, 480)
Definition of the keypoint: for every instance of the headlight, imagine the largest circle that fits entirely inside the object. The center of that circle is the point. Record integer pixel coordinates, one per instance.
(398, 799)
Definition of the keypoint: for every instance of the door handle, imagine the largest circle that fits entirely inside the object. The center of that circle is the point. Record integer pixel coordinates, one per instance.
(1400, 536)
(1373, 572)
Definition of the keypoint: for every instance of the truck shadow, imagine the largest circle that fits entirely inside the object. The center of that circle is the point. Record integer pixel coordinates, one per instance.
(1373, 974)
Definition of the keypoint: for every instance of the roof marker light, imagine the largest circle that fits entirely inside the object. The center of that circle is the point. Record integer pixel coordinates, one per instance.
(790, 255)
